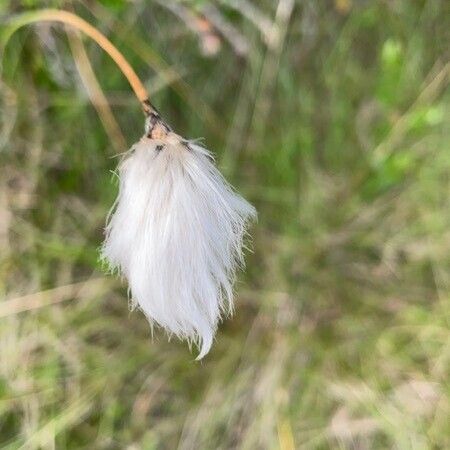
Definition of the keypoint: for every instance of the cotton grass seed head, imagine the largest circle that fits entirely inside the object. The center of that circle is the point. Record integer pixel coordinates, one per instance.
(176, 233)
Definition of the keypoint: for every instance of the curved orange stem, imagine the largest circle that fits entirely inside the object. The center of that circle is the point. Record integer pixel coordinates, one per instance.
(68, 18)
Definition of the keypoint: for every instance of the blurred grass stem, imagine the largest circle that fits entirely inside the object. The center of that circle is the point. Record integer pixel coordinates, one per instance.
(95, 91)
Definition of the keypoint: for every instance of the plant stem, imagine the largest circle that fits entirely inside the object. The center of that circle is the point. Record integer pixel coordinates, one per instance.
(68, 18)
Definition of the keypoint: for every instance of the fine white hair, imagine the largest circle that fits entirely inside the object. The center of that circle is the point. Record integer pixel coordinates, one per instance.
(176, 233)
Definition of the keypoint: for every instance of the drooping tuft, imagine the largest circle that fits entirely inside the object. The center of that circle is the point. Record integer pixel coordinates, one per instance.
(176, 233)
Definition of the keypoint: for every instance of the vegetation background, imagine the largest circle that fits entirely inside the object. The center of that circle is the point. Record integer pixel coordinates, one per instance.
(332, 118)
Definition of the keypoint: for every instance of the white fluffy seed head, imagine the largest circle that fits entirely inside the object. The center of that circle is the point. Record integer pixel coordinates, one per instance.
(176, 232)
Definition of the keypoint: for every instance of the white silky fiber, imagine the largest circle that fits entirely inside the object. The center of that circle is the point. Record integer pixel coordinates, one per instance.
(176, 233)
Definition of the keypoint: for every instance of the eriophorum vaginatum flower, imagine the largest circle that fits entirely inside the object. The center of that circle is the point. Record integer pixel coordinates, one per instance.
(176, 230)
(176, 233)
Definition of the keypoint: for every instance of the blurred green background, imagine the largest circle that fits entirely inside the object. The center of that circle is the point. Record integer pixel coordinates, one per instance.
(332, 118)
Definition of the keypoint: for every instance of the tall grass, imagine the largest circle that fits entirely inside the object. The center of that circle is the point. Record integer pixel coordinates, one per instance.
(333, 119)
